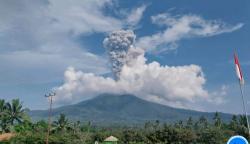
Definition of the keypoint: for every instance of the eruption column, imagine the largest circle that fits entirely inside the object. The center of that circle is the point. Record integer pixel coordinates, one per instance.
(117, 45)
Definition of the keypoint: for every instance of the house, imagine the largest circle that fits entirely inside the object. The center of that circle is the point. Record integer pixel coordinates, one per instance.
(111, 140)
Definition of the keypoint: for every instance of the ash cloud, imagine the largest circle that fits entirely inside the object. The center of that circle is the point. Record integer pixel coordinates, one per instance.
(178, 86)
(117, 45)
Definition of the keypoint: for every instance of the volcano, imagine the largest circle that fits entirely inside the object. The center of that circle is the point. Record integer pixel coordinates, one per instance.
(123, 109)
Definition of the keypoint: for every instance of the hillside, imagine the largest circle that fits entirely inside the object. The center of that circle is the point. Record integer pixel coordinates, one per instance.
(122, 109)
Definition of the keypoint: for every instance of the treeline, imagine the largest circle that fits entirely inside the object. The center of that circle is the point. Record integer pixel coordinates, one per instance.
(14, 119)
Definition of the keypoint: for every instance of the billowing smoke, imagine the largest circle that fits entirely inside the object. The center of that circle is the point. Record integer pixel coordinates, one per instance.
(117, 45)
(178, 86)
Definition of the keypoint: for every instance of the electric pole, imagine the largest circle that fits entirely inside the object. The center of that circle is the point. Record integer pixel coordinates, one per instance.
(50, 95)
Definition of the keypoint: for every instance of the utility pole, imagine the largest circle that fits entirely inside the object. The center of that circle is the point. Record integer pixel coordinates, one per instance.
(50, 95)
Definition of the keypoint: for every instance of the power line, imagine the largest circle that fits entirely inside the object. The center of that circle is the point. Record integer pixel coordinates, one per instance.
(50, 95)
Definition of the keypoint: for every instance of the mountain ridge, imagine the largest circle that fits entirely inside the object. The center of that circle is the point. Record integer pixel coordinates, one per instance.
(123, 109)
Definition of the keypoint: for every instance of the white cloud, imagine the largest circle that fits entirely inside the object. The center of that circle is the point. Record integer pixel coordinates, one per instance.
(162, 84)
(40, 25)
(24, 67)
(82, 16)
(38, 43)
(218, 97)
(181, 27)
(45, 32)
(178, 86)
(135, 15)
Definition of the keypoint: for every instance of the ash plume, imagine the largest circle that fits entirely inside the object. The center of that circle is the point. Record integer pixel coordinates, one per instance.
(177, 86)
(117, 45)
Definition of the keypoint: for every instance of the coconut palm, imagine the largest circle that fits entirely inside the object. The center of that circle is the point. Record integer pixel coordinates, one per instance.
(217, 120)
(2, 116)
(243, 120)
(15, 111)
(61, 124)
(2, 107)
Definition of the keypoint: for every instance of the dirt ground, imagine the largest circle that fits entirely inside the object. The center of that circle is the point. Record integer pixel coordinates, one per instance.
(6, 136)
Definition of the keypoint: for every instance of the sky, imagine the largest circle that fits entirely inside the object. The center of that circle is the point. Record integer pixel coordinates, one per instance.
(184, 51)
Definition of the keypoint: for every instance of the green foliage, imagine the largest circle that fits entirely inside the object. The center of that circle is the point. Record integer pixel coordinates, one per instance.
(191, 131)
(11, 114)
(217, 120)
(61, 125)
(211, 135)
(181, 132)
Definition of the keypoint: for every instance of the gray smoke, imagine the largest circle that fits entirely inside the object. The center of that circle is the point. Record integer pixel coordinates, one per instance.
(117, 45)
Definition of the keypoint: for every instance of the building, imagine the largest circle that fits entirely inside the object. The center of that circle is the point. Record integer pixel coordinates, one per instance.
(111, 140)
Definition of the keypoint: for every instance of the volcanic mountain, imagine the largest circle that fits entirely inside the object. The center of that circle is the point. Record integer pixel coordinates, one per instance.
(123, 109)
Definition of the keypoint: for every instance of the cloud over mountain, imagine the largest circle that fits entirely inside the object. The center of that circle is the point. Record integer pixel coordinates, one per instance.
(171, 85)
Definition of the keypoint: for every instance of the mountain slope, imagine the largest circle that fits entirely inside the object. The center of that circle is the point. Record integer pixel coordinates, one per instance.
(120, 109)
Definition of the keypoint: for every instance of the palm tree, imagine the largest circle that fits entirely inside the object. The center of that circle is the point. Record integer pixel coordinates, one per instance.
(62, 123)
(189, 123)
(15, 111)
(217, 120)
(76, 127)
(2, 107)
(234, 122)
(2, 115)
(203, 122)
(243, 120)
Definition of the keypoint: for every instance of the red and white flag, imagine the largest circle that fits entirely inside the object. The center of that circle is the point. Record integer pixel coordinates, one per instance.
(238, 69)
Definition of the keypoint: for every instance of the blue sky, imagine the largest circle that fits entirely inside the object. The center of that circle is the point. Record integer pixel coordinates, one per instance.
(40, 39)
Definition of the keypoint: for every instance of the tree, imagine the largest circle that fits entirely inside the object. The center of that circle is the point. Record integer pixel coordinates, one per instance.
(243, 121)
(62, 124)
(2, 107)
(179, 124)
(76, 127)
(217, 120)
(211, 136)
(40, 126)
(3, 119)
(241, 128)
(129, 136)
(189, 123)
(15, 111)
(156, 124)
(147, 126)
(186, 136)
(233, 123)
(203, 123)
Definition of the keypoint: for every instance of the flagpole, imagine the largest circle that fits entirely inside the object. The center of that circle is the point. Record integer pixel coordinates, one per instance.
(244, 106)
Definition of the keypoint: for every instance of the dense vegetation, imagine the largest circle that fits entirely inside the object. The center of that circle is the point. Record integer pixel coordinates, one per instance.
(13, 119)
